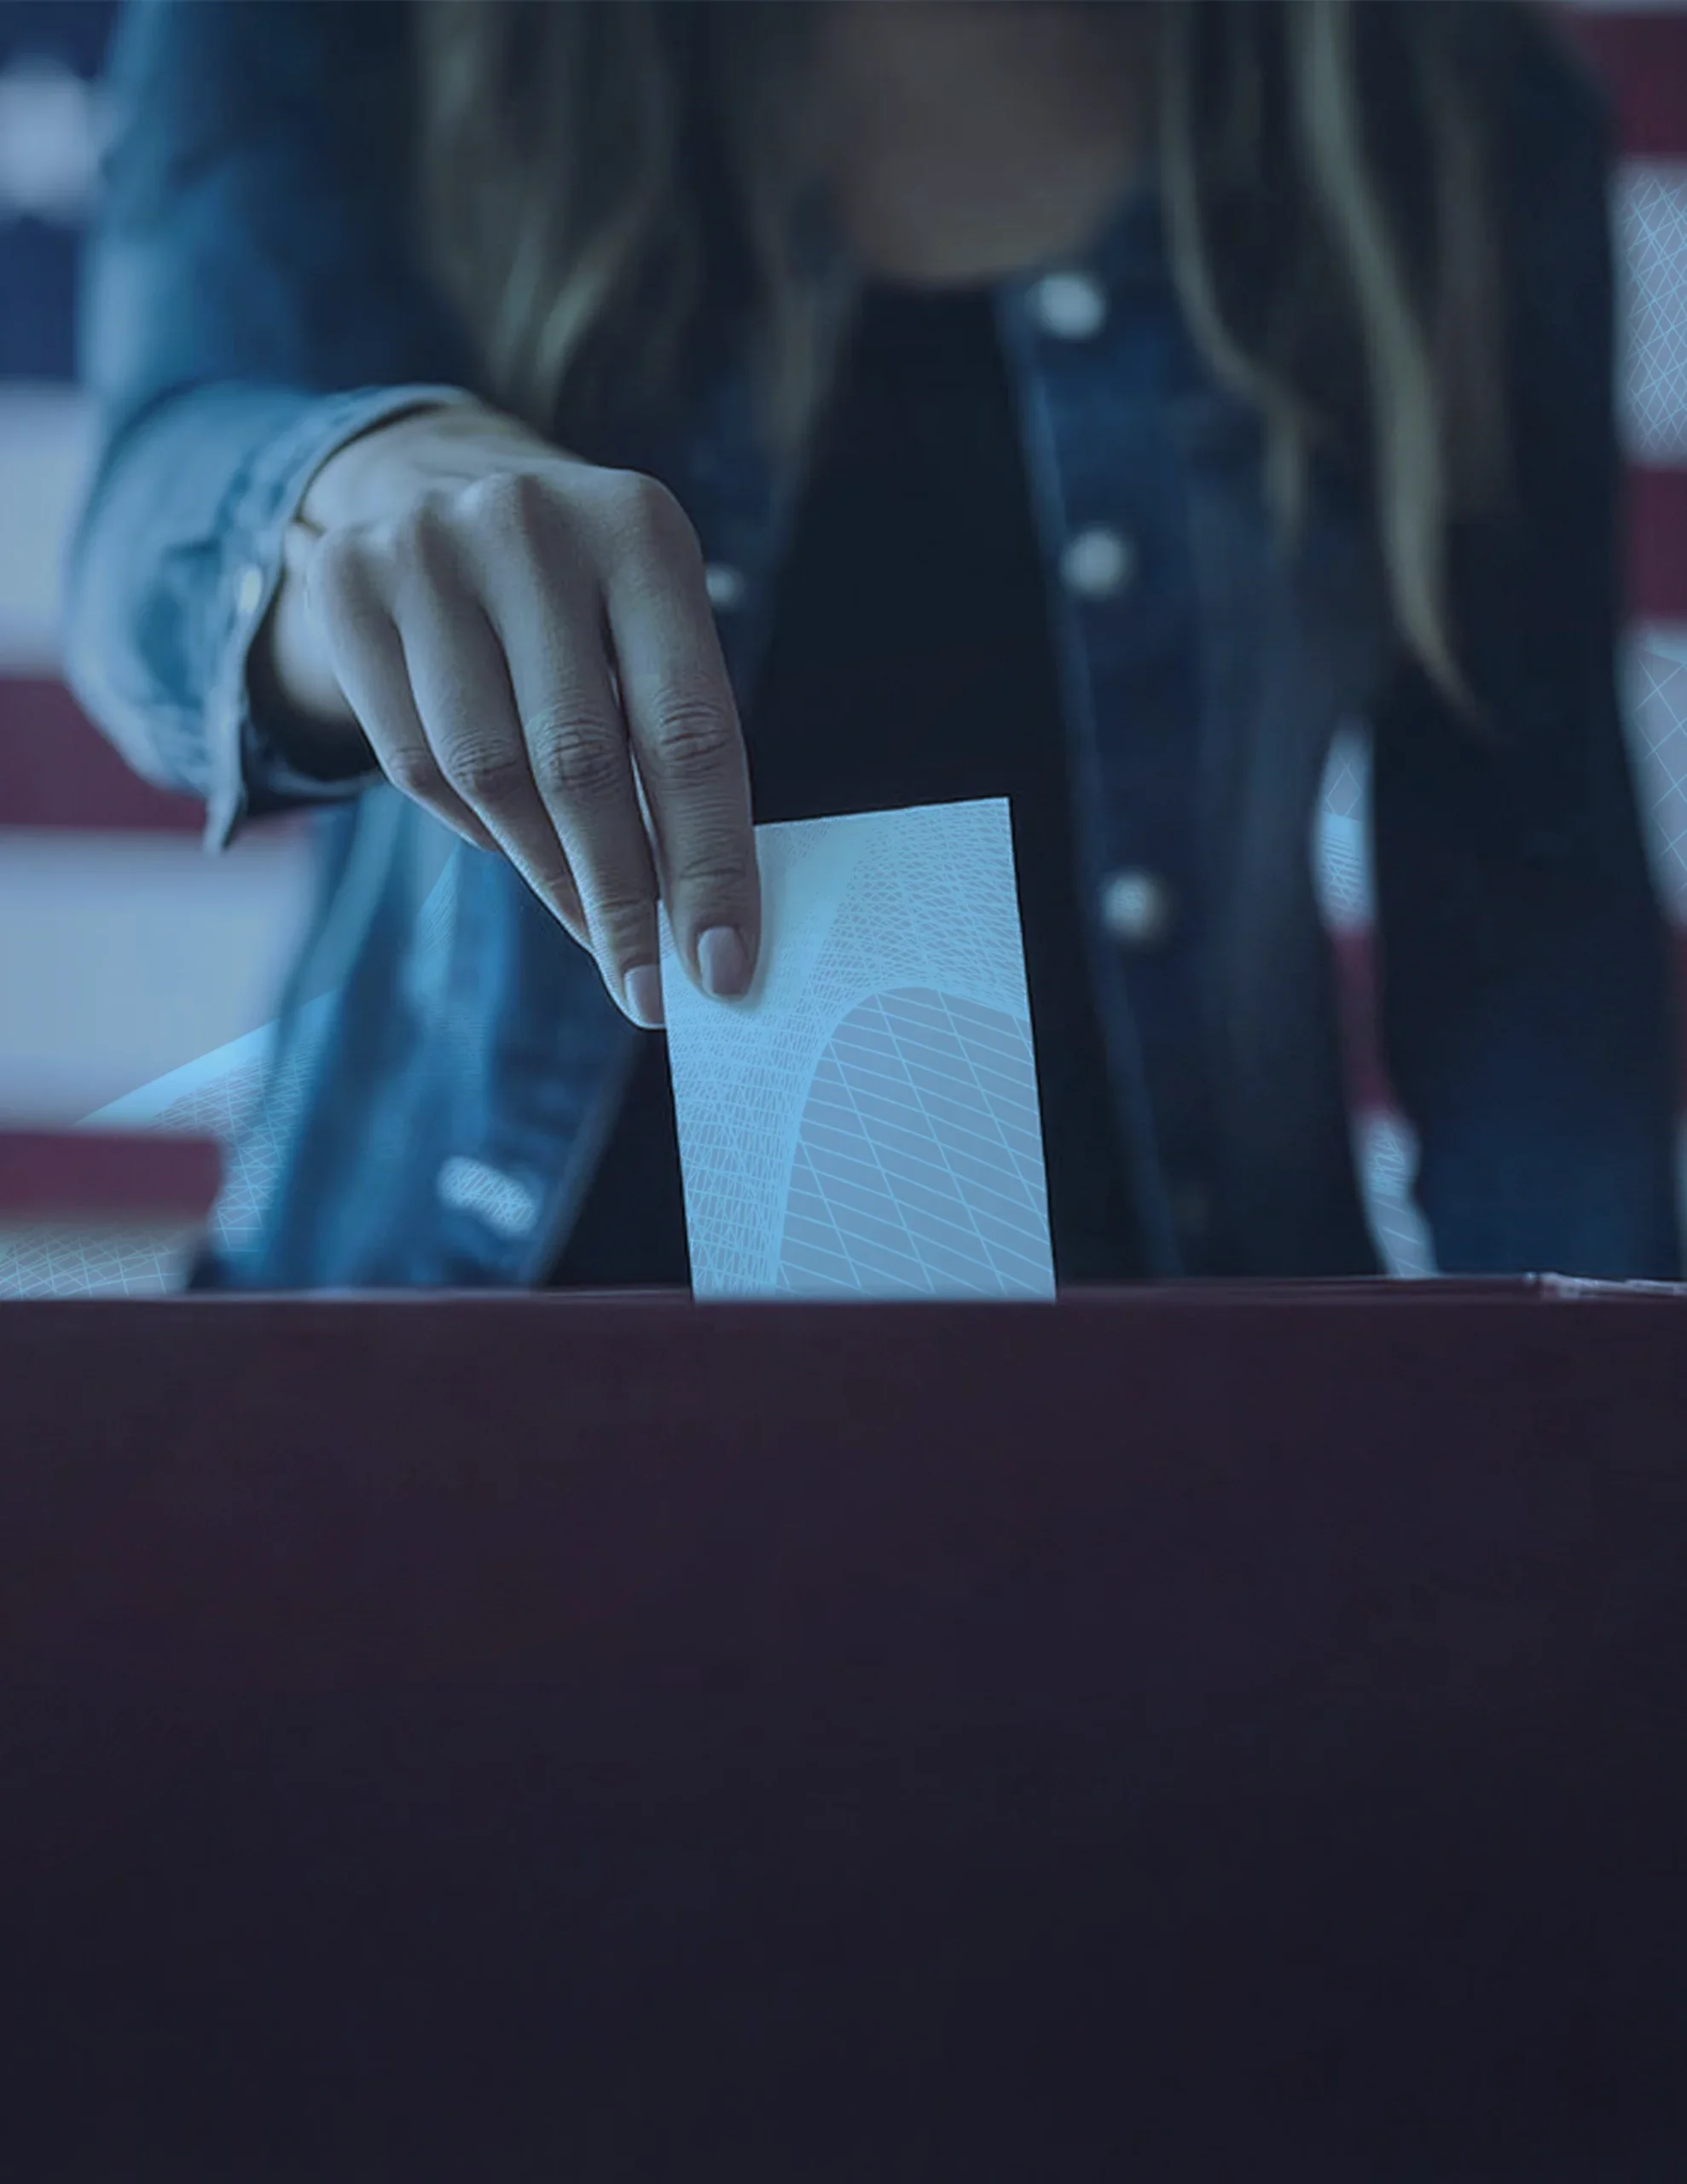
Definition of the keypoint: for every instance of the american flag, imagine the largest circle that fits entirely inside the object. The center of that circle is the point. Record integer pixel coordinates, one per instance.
(138, 976)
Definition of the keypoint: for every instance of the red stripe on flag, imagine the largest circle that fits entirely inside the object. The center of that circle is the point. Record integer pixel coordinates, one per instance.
(56, 769)
(1657, 544)
(108, 1174)
(1368, 1086)
(1643, 58)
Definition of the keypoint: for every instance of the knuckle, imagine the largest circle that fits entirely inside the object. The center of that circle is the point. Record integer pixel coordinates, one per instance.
(413, 769)
(621, 926)
(485, 774)
(715, 873)
(577, 756)
(515, 504)
(551, 881)
(647, 520)
(692, 737)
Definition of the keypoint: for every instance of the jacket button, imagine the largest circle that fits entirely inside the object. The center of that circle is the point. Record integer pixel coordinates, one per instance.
(1071, 306)
(725, 586)
(1136, 909)
(250, 589)
(504, 1203)
(1097, 563)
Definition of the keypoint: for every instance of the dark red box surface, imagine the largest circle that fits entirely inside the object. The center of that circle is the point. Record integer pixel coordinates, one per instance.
(1173, 1732)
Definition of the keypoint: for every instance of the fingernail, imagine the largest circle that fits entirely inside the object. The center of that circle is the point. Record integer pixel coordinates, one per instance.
(643, 990)
(723, 962)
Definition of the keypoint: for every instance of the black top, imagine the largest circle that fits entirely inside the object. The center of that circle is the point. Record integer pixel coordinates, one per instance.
(910, 663)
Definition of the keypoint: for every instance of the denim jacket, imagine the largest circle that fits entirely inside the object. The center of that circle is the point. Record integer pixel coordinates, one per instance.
(447, 1065)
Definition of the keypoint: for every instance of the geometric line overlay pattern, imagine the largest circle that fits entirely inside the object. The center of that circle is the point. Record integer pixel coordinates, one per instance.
(918, 1163)
(1386, 1147)
(1651, 221)
(64, 1258)
(1656, 662)
(68, 1257)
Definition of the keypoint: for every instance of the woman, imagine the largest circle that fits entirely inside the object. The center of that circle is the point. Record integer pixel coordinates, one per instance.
(778, 410)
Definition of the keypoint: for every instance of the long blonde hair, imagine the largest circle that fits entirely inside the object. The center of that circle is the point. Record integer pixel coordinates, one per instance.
(595, 178)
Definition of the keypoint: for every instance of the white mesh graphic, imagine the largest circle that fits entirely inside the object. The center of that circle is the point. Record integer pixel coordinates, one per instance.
(888, 938)
(1651, 218)
(919, 1166)
(1342, 873)
(1387, 1145)
(72, 1258)
(1655, 663)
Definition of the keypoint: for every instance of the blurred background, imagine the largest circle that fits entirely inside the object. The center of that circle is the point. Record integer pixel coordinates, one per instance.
(137, 975)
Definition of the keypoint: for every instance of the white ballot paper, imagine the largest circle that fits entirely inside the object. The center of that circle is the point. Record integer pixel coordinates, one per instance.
(863, 1121)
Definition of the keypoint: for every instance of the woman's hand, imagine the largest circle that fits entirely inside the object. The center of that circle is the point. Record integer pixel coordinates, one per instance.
(514, 631)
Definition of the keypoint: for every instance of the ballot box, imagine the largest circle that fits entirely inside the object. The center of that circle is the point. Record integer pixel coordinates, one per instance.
(1197, 1731)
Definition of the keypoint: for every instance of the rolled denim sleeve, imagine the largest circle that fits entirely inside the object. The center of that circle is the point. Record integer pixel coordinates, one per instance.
(1528, 1012)
(251, 298)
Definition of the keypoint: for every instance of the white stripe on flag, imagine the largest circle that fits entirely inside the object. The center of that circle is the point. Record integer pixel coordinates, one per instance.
(124, 957)
(46, 442)
(54, 127)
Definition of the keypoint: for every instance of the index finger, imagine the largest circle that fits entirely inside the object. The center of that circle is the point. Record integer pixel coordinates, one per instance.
(682, 720)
